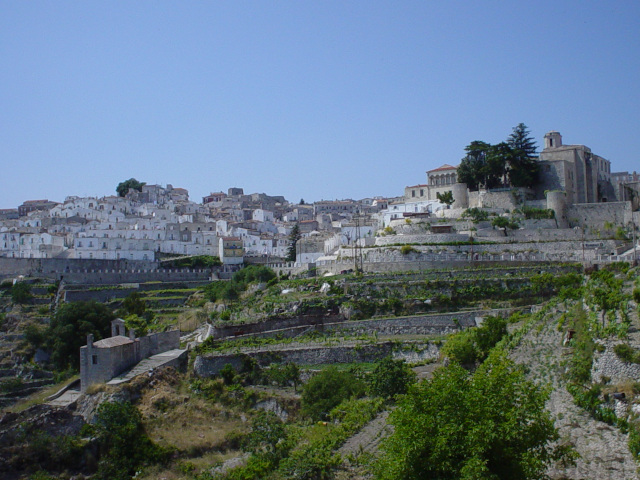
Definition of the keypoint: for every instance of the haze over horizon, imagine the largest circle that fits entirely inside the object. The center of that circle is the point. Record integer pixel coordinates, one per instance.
(307, 100)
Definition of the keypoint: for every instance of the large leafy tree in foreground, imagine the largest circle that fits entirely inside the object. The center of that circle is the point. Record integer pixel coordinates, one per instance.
(490, 424)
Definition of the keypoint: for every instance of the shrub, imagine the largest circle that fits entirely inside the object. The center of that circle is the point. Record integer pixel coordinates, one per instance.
(326, 390)
(407, 249)
(627, 354)
(21, 293)
(476, 214)
(124, 445)
(227, 373)
(537, 213)
(390, 378)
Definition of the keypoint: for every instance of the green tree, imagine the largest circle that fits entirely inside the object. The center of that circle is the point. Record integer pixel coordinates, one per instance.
(492, 330)
(476, 214)
(21, 293)
(123, 187)
(446, 198)
(69, 328)
(268, 436)
(253, 273)
(294, 237)
(604, 292)
(390, 378)
(124, 445)
(328, 389)
(491, 424)
(511, 163)
(521, 140)
(133, 304)
(523, 164)
(473, 166)
(136, 323)
(505, 224)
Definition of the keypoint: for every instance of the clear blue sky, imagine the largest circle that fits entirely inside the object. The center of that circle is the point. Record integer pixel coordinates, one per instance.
(314, 100)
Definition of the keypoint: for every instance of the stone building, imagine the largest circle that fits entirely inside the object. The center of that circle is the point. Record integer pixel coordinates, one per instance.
(574, 169)
(623, 182)
(439, 180)
(102, 360)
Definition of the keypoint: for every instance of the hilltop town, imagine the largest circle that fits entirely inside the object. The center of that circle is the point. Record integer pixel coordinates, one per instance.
(576, 209)
(244, 336)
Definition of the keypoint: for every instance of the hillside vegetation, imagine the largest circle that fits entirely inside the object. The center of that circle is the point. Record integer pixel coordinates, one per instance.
(549, 392)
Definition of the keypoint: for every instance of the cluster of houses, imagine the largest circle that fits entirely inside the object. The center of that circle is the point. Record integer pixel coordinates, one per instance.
(162, 220)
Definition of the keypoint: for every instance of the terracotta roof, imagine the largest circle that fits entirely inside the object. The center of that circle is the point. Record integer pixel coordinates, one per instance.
(112, 342)
(446, 166)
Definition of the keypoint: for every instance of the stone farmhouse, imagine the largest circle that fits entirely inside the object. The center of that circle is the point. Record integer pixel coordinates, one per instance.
(102, 360)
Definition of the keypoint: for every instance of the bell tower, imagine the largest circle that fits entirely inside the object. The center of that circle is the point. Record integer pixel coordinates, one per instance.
(552, 139)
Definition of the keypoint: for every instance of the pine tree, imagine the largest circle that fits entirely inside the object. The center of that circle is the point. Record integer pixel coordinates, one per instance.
(294, 236)
(520, 139)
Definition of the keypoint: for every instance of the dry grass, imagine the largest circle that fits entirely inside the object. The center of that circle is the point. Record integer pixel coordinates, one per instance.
(38, 397)
(192, 426)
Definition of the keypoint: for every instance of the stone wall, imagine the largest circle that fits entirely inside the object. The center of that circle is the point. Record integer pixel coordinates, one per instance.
(210, 365)
(97, 272)
(509, 199)
(437, 323)
(592, 215)
(419, 238)
(155, 343)
(49, 266)
(609, 365)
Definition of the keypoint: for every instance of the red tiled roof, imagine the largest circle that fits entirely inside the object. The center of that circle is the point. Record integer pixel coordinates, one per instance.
(446, 166)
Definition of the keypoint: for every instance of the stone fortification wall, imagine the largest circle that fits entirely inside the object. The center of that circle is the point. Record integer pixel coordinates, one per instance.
(96, 272)
(98, 277)
(52, 266)
(210, 365)
(592, 215)
(504, 200)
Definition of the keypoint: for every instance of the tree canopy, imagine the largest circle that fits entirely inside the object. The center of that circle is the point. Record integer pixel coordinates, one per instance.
(294, 237)
(123, 187)
(69, 328)
(445, 197)
(507, 164)
(327, 390)
(21, 293)
(390, 378)
(490, 424)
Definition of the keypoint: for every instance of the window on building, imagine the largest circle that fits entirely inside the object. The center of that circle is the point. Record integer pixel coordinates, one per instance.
(422, 192)
(94, 359)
